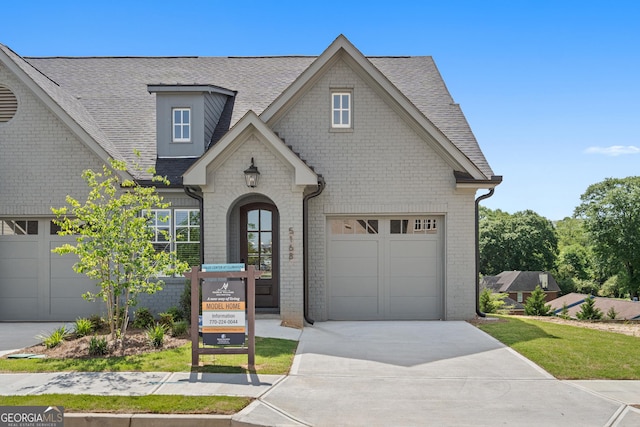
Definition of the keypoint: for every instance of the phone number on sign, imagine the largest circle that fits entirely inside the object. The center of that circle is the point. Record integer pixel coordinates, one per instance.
(224, 322)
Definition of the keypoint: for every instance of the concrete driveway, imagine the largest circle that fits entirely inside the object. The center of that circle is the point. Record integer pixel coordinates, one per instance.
(17, 335)
(423, 373)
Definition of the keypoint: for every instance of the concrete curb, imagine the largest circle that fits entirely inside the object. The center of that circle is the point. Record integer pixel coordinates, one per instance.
(145, 420)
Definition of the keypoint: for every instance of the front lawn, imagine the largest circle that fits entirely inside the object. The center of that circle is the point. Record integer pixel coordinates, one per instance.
(273, 356)
(569, 352)
(151, 404)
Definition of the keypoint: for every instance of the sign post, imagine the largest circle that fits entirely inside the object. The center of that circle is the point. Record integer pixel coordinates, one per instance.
(221, 312)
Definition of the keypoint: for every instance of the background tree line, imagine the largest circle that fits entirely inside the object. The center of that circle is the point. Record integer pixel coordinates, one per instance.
(597, 251)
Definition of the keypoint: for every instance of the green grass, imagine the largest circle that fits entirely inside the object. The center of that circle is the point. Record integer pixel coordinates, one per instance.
(152, 404)
(273, 356)
(570, 352)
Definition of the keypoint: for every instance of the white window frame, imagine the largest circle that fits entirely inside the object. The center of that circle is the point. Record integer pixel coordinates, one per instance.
(189, 226)
(341, 109)
(171, 219)
(181, 125)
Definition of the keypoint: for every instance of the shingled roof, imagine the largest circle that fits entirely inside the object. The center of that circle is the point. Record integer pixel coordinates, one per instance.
(109, 96)
(518, 281)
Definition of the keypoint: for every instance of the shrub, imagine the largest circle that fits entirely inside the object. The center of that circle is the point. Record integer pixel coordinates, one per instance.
(83, 327)
(564, 313)
(492, 302)
(98, 346)
(180, 328)
(612, 313)
(142, 318)
(155, 335)
(176, 313)
(536, 305)
(185, 301)
(55, 338)
(588, 310)
(97, 321)
(166, 319)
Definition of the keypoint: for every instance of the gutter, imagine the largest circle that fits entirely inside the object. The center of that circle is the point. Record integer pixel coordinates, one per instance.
(305, 246)
(194, 195)
(478, 200)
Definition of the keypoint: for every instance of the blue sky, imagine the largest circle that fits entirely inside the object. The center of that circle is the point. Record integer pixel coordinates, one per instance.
(551, 88)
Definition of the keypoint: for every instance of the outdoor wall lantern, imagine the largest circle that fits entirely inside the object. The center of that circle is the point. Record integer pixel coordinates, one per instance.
(251, 175)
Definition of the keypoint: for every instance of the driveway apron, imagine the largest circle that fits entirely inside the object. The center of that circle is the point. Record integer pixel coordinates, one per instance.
(425, 373)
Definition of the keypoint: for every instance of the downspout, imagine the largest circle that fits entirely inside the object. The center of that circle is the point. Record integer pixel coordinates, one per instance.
(305, 246)
(194, 195)
(478, 200)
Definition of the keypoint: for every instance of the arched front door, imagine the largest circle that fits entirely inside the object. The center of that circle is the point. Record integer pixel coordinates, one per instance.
(259, 247)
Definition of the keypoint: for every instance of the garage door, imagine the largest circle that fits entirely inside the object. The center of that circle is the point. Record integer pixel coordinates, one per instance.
(36, 284)
(385, 268)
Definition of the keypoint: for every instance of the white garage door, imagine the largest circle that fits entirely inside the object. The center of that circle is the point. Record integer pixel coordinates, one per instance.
(36, 284)
(388, 269)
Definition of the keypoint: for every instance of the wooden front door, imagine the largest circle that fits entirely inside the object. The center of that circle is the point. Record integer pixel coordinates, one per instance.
(259, 247)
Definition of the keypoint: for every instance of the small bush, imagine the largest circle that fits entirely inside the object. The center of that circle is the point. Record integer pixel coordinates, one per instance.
(612, 313)
(142, 318)
(493, 302)
(83, 327)
(564, 313)
(97, 321)
(185, 301)
(536, 305)
(155, 335)
(588, 310)
(166, 319)
(176, 313)
(98, 346)
(180, 328)
(55, 338)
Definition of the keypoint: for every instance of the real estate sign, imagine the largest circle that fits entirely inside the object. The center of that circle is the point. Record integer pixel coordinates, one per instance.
(223, 312)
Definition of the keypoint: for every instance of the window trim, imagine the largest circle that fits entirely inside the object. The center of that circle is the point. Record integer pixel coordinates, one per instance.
(181, 125)
(172, 243)
(341, 109)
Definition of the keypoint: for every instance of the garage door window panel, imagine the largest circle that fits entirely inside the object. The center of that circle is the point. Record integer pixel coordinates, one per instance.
(16, 227)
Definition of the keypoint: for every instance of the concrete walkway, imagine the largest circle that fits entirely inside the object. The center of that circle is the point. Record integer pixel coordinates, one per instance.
(375, 374)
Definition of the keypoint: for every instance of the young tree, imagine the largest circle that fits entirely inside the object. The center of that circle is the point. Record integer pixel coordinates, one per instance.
(611, 213)
(114, 243)
(536, 305)
(492, 302)
(588, 310)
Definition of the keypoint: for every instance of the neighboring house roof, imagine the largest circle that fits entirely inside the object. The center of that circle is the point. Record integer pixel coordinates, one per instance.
(519, 281)
(108, 96)
(625, 309)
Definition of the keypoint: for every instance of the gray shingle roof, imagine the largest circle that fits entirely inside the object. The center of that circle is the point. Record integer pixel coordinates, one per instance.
(518, 281)
(109, 94)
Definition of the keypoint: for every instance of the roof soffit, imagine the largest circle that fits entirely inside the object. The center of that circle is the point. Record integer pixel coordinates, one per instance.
(250, 123)
(343, 49)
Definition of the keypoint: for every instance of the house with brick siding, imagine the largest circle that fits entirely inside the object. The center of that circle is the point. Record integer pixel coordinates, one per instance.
(351, 181)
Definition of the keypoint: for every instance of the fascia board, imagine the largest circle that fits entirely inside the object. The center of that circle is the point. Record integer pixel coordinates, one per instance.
(60, 113)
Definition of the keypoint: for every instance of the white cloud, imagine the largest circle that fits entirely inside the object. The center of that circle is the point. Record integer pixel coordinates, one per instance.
(614, 150)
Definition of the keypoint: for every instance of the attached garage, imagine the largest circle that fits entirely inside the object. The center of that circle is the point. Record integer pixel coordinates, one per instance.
(36, 284)
(385, 268)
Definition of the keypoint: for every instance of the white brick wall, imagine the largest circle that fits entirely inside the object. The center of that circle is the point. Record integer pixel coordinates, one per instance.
(227, 191)
(41, 161)
(381, 167)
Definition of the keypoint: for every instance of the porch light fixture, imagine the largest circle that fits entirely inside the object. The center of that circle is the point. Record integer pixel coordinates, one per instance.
(251, 175)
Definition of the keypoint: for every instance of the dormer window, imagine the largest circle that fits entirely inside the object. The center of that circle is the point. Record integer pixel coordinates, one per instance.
(182, 125)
